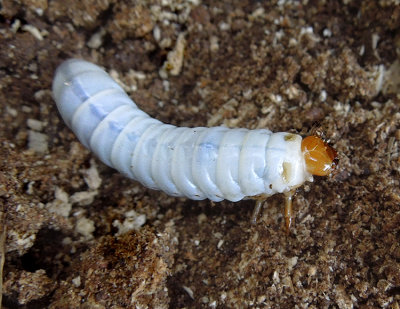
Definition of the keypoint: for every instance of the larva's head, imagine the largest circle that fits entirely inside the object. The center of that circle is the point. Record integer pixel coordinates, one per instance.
(321, 159)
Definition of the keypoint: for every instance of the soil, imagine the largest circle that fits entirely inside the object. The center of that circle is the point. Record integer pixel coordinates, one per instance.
(80, 235)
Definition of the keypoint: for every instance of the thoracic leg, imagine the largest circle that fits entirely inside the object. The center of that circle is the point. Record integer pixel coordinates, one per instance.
(289, 217)
(259, 202)
(289, 210)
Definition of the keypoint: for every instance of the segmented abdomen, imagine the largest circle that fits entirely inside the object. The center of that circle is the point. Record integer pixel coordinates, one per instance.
(215, 163)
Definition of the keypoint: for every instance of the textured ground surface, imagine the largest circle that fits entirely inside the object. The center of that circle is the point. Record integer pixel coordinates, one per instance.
(79, 235)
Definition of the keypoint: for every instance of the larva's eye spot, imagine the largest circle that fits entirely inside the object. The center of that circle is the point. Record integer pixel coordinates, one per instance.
(320, 158)
(290, 137)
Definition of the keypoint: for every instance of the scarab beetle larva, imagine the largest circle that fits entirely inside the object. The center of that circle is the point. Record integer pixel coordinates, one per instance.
(215, 163)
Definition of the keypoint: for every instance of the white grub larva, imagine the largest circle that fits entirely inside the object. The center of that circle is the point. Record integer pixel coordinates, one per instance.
(215, 163)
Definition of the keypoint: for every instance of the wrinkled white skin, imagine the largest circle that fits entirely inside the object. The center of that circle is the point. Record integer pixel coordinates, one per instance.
(215, 163)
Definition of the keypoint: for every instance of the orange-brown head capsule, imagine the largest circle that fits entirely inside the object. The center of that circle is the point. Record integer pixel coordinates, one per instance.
(320, 158)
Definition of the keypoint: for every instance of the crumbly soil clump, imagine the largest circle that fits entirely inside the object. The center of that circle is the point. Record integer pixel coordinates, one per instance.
(80, 235)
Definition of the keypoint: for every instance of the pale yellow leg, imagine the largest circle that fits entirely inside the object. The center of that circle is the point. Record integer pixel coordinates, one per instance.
(289, 218)
(259, 203)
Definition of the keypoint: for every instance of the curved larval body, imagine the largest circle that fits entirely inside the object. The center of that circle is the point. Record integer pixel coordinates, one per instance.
(215, 163)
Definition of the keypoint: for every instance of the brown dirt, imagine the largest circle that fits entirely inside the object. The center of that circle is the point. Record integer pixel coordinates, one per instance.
(283, 65)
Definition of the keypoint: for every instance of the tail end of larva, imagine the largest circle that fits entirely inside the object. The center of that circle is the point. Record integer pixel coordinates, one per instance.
(68, 89)
(66, 72)
(77, 81)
